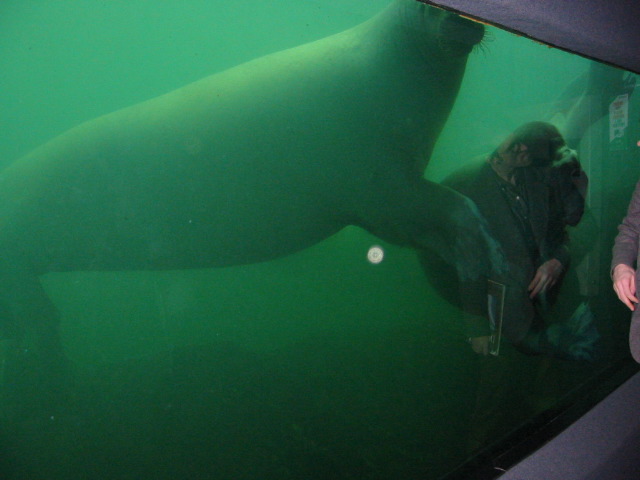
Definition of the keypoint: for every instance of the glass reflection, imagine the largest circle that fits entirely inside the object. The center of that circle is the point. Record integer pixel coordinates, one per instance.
(340, 358)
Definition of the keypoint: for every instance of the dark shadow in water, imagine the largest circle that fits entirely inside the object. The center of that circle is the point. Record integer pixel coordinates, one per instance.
(376, 405)
(381, 405)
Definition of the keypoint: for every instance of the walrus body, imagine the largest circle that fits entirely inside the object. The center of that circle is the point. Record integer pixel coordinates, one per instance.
(253, 163)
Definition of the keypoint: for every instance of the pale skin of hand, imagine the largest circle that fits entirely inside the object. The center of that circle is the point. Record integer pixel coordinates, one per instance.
(546, 277)
(480, 345)
(624, 284)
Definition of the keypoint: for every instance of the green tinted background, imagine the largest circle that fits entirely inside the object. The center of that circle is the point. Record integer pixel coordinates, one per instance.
(317, 365)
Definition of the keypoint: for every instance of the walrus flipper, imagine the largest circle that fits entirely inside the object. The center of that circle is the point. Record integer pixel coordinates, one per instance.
(426, 215)
(31, 321)
(462, 239)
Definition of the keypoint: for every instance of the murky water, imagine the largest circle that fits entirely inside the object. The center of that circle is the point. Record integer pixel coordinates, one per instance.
(318, 364)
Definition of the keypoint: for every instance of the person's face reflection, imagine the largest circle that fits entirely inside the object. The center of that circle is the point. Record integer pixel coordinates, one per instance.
(516, 155)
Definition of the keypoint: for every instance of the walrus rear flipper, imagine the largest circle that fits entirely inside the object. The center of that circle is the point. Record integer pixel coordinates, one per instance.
(34, 368)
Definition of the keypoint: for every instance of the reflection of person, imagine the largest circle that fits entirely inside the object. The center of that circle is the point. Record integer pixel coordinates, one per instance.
(623, 267)
(553, 197)
(528, 191)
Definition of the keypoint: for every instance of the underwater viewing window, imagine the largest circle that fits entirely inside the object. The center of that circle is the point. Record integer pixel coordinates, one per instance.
(301, 240)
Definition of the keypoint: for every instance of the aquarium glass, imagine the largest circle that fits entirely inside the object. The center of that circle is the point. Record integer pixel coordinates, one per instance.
(273, 274)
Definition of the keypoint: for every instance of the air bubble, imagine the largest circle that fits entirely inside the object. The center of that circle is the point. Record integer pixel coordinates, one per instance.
(375, 254)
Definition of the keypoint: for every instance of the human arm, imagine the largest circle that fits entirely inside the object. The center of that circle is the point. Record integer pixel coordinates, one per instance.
(555, 249)
(568, 183)
(474, 304)
(555, 262)
(547, 275)
(624, 284)
(625, 251)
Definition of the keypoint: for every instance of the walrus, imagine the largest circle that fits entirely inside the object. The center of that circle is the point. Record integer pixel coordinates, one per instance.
(250, 164)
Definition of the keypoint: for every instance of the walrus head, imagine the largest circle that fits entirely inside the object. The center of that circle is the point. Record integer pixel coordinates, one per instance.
(436, 31)
(458, 35)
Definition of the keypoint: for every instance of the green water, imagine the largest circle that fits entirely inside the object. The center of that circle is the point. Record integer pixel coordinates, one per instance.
(318, 365)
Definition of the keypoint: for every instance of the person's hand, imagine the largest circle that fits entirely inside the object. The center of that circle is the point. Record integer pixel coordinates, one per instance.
(480, 345)
(624, 284)
(546, 277)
